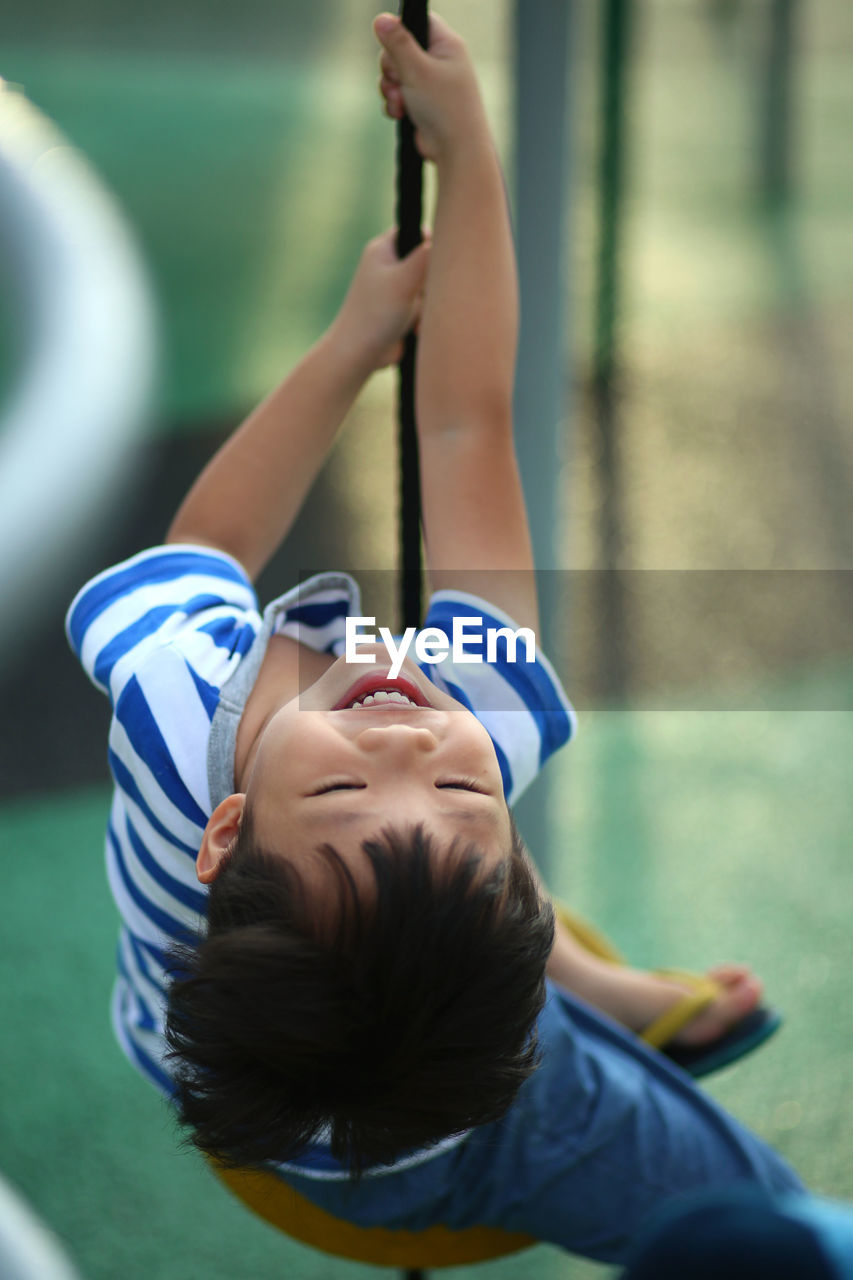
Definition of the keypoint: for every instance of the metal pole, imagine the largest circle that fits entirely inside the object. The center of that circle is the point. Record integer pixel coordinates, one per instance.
(776, 178)
(541, 31)
(613, 672)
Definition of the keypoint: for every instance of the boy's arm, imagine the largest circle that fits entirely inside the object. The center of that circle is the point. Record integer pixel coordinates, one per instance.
(249, 494)
(473, 507)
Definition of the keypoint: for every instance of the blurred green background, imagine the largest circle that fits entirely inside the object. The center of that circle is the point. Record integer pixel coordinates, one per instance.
(704, 812)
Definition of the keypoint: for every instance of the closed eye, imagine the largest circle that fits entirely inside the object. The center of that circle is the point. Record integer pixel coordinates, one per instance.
(462, 784)
(337, 786)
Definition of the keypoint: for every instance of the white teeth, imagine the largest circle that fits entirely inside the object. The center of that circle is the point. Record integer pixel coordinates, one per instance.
(382, 696)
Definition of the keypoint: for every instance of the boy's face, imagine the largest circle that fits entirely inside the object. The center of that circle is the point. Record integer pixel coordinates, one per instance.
(328, 770)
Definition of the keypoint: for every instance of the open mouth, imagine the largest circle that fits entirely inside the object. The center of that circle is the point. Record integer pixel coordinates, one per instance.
(378, 690)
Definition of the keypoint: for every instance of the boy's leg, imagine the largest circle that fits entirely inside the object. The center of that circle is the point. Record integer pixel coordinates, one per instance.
(603, 1134)
(745, 1234)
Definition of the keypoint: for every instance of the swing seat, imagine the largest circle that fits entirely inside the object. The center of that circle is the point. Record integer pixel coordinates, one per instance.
(276, 1202)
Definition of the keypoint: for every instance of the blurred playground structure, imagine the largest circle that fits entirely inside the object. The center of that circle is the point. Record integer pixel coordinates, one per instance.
(83, 355)
(697, 490)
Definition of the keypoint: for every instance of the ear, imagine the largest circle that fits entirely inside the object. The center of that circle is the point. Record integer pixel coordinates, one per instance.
(219, 835)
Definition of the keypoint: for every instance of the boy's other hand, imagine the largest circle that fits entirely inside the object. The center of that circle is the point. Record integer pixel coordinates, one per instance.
(436, 87)
(384, 300)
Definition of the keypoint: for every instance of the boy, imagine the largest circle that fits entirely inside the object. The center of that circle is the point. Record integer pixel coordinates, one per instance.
(370, 988)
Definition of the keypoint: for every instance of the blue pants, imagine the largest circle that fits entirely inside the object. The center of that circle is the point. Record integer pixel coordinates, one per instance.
(601, 1135)
(747, 1234)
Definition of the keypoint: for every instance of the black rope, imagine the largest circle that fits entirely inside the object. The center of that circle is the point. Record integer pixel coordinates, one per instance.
(409, 215)
(410, 170)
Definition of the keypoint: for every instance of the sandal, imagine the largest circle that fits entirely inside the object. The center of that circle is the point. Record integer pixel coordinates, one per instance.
(697, 1060)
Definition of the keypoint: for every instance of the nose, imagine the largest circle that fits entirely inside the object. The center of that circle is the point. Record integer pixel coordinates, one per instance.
(398, 740)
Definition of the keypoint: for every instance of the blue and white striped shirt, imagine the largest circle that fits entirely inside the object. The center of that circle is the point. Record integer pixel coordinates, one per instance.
(175, 638)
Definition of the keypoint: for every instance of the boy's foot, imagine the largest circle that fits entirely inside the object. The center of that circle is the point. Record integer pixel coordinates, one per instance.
(639, 998)
(695, 1020)
(740, 995)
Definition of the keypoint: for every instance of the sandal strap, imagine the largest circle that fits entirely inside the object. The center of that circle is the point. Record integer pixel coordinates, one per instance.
(590, 938)
(703, 992)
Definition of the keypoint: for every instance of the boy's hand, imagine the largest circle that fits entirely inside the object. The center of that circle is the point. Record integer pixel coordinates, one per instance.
(383, 302)
(436, 87)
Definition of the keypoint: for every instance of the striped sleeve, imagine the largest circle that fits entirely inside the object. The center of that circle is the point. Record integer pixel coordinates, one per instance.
(197, 597)
(521, 703)
(160, 634)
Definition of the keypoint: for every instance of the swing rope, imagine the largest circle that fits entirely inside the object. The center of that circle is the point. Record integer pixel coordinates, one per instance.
(410, 172)
(409, 215)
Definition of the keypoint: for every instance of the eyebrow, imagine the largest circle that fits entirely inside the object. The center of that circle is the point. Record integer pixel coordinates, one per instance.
(471, 815)
(345, 817)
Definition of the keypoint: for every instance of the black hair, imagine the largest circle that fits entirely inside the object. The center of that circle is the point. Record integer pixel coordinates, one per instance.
(384, 1016)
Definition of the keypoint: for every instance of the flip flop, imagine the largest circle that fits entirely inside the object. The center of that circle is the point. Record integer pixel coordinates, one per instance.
(698, 1060)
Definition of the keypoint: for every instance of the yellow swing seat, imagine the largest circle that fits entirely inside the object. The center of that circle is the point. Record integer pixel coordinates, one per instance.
(276, 1202)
